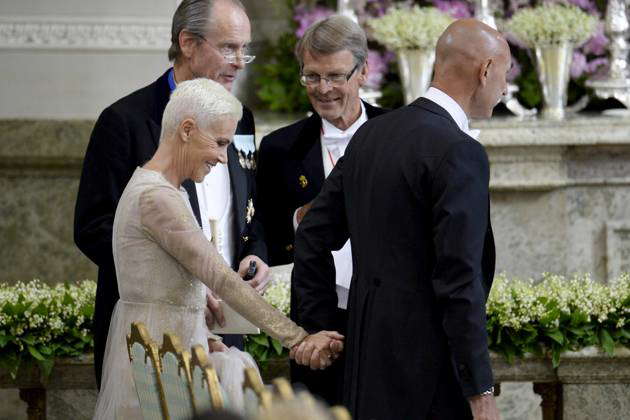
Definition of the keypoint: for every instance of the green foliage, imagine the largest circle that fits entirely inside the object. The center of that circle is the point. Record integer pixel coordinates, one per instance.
(557, 315)
(264, 348)
(39, 323)
(278, 81)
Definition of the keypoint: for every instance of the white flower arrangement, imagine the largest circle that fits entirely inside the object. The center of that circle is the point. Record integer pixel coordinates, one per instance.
(552, 23)
(40, 322)
(557, 315)
(409, 27)
(278, 294)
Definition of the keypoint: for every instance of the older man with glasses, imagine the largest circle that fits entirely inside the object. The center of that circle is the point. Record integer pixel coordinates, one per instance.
(209, 39)
(294, 161)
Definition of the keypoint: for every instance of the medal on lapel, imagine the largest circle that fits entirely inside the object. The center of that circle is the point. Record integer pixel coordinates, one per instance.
(246, 150)
(247, 162)
(250, 211)
(303, 181)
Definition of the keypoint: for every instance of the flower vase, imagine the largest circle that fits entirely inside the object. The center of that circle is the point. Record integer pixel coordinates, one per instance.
(416, 69)
(553, 63)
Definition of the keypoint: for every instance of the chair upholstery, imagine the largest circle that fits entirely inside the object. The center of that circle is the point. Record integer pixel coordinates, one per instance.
(176, 379)
(207, 392)
(145, 367)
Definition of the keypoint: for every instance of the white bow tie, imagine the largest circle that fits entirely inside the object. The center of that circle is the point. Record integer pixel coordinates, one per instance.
(338, 140)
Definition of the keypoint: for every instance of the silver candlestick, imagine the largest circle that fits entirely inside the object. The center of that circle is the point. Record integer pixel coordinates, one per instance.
(485, 13)
(616, 84)
(347, 8)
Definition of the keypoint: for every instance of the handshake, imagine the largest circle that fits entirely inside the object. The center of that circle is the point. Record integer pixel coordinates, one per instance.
(318, 350)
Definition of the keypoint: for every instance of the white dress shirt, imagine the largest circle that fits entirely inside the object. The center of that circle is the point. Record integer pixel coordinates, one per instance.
(334, 143)
(215, 206)
(456, 112)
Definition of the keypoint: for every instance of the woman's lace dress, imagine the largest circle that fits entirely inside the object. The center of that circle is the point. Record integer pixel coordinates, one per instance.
(162, 262)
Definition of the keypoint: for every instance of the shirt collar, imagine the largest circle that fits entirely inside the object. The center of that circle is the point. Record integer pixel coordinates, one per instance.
(171, 80)
(456, 112)
(330, 131)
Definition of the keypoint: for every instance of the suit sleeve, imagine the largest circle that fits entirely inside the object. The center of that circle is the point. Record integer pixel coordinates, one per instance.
(460, 214)
(324, 228)
(268, 201)
(107, 167)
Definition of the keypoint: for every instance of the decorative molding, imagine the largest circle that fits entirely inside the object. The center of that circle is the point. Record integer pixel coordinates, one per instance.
(70, 33)
(617, 247)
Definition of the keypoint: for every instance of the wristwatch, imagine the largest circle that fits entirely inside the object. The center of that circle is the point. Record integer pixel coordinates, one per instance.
(488, 392)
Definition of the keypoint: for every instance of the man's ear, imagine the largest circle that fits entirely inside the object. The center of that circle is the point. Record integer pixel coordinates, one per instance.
(363, 74)
(187, 43)
(185, 128)
(484, 71)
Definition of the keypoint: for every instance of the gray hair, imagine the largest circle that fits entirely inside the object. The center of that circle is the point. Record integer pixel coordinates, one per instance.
(203, 100)
(193, 16)
(333, 34)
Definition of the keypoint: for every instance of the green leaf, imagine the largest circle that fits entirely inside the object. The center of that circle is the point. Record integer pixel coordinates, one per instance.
(35, 353)
(606, 341)
(5, 339)
(555, 335)
(555, 356)
(261, 339)
(277, 346)
(46, 367)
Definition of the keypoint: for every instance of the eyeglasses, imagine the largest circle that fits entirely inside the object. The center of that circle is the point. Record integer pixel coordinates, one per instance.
(334, 80)
(232, 55)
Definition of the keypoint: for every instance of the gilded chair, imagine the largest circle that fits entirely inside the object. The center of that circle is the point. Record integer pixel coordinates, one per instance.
(176, 379)
(145, 368)
(255, 396)
(207, 392)
(340, 413)
(282, 389)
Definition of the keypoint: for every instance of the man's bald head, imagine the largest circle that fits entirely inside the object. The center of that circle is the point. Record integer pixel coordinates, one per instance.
(470, 56)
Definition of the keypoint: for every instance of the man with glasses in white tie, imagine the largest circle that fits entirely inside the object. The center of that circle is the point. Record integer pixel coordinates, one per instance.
(294, 161)
(209, 39)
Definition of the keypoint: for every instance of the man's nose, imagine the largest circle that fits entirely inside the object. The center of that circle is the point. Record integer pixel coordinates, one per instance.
(323, 86)
(223, 157)
(239, 64)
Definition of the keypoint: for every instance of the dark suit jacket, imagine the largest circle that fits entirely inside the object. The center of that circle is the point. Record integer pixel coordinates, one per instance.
(412, 194)
(285, 156)
(125, 136)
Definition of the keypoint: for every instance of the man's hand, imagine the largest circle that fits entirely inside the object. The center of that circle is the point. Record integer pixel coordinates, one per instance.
(484, 407)
(301, 212)
(261, 279)
(213, 311)
(318, 350)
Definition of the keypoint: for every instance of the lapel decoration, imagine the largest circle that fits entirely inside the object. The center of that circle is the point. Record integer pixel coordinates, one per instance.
(303, 181)
(250, 211)
(247, 161)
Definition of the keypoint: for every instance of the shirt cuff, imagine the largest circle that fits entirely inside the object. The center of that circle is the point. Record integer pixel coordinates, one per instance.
(295, 222)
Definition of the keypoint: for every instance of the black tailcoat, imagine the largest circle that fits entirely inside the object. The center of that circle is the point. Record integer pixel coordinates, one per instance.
(412, 194)
(291, 174)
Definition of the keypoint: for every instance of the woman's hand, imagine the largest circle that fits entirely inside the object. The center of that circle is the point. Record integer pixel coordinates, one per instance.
(216, 345)
(318, 350)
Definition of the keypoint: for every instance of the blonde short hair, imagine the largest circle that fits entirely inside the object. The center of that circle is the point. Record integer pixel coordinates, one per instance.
(203, 100)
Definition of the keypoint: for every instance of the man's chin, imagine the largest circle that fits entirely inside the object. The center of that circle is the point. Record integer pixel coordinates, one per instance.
(226, 83)
(327, 114)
